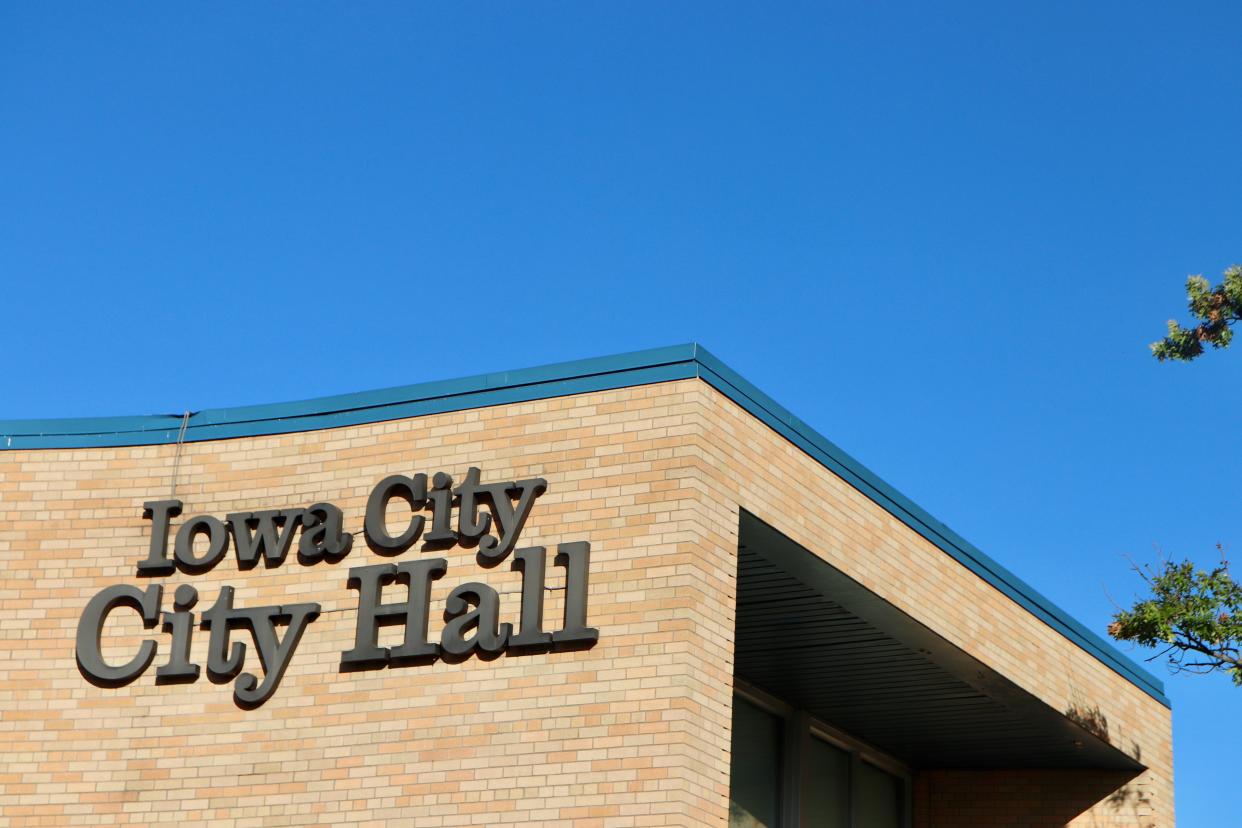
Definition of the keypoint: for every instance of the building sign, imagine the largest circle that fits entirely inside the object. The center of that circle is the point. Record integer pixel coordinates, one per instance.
(489, 517)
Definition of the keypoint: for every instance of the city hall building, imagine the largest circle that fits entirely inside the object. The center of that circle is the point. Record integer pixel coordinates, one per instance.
(628, 591)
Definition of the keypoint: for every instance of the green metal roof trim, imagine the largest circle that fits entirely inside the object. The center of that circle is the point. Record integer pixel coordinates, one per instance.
(583, 376)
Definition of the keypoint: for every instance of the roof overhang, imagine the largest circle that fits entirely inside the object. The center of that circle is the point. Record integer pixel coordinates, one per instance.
(812, 636)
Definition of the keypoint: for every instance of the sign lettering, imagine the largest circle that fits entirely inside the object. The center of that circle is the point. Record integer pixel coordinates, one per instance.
(490, 518)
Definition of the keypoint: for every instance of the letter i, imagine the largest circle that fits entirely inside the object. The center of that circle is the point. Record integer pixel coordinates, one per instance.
(441, 497)
(179, 623)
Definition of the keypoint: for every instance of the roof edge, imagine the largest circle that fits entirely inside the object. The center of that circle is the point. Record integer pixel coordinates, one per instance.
(645, 367)
(496, 388)
(828, 454)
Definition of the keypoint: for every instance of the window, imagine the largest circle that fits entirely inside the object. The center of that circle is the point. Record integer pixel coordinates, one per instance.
(826, 786)
(755, 767)
(790, 771)
(879, 796)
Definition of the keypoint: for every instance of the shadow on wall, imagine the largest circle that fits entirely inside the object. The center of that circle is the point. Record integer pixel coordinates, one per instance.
(1028, 798)
(1130, 800)
(1090, 719)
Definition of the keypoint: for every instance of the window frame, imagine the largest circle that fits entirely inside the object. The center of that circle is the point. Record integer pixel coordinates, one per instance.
(800, 728)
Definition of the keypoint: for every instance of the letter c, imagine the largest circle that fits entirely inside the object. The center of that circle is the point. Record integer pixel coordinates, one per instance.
(90, 628)
(413, 491)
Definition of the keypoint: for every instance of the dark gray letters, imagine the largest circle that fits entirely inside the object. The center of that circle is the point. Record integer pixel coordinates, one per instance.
(411, 489)
(217, 544)
(160, 512)
(369, 581)
(271, 539)
(510, 520)
(90, 628)
(490, 636)
(490, 515)
(180, 624)
(531, 563)
(576, 558)
(323, 535)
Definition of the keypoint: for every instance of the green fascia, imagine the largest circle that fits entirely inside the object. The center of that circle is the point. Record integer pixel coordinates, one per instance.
(558, 380)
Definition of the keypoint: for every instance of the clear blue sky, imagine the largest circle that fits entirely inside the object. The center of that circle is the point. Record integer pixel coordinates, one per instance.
(941, 234)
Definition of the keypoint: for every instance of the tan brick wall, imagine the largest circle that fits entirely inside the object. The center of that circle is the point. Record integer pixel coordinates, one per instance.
(634, 731)
(745, 463)
(1027, 799)
(616, 735)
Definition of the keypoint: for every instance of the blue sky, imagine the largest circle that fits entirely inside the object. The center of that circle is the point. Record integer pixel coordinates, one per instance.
(941, 235)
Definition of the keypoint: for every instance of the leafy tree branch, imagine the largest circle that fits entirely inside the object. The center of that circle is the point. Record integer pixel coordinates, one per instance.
(1217, 309)
(1194, 616)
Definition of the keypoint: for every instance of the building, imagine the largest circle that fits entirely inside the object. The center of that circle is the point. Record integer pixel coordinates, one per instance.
(629, 591)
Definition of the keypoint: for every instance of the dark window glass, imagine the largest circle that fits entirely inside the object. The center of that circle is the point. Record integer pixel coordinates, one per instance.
(880, 798)
(755, 768)
(826, 798)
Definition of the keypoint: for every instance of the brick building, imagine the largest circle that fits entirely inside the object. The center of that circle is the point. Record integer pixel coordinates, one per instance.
(630, 591)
